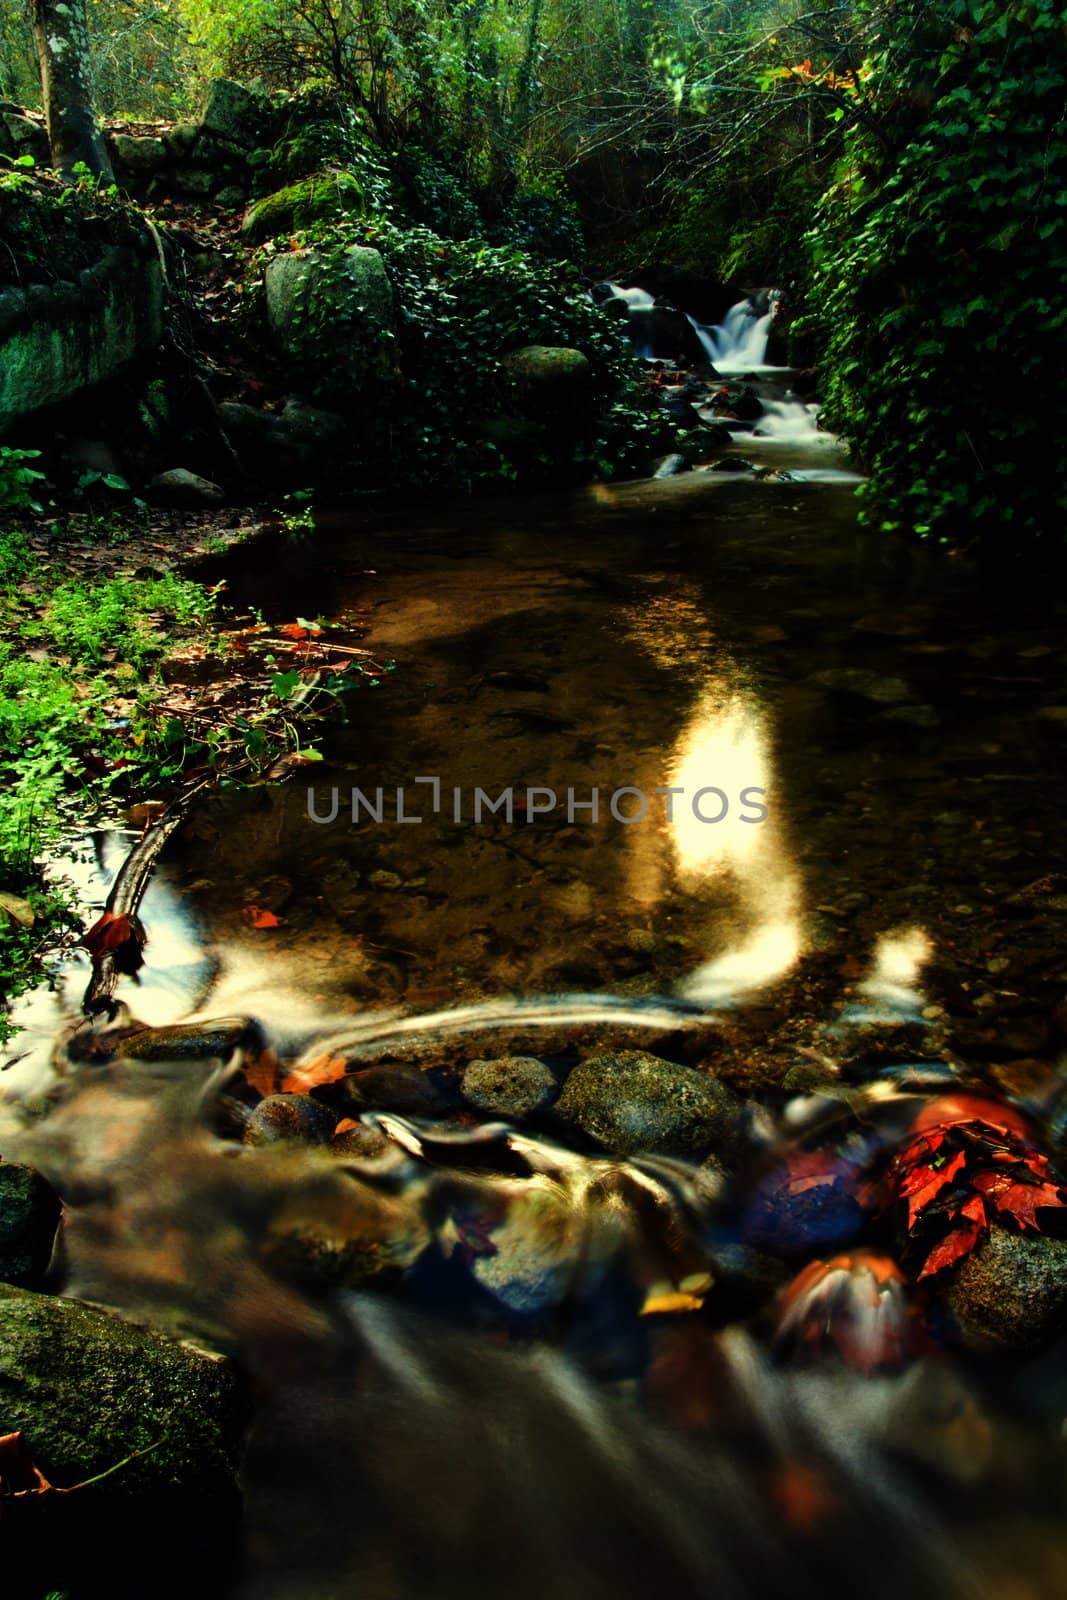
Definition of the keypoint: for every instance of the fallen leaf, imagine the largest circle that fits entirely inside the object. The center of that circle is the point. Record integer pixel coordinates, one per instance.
(324, 1069)
(118, 936)
(19, 911)
(261, 1073)
(261, 919)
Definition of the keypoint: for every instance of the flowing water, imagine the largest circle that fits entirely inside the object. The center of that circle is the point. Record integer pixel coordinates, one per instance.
(858, 870)
(739, 342)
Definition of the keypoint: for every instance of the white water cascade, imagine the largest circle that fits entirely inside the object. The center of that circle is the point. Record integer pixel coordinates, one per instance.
(636, 299)
(739, 342)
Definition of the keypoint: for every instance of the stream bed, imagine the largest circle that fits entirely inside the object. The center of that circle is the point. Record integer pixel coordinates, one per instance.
(548, 1350)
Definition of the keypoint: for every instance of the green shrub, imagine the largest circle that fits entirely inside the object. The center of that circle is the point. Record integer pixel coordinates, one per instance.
(941, 257)
(461, 305)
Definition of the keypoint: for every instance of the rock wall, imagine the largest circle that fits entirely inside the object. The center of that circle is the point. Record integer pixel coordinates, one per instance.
(57, 339)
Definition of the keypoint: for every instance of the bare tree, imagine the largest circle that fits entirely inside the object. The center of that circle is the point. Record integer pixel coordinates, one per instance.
(61, 35)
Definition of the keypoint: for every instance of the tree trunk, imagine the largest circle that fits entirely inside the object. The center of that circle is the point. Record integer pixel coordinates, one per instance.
(61, 36)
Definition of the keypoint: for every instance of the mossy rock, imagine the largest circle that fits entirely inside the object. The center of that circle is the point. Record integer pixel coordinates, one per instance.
(331, 316)
(550, 382)
(87, 1389)
(323, 198)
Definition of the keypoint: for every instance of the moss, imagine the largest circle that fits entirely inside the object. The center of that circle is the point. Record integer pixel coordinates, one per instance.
(322, 198)
(87, 1389)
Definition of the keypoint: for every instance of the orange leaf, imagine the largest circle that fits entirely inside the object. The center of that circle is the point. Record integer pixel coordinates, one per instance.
(18, 1472)
(345, 1125)
(262, 1073)
(261, 919)
(324, 1069)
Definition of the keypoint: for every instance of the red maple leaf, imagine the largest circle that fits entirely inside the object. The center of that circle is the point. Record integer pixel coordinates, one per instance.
(960, 1242)
(969, 1162)
(118, 936)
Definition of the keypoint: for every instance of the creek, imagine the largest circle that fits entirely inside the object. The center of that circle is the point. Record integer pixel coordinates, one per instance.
(890, 924)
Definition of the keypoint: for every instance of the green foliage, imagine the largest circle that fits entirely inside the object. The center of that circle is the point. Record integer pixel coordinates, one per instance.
(941, 256)
(118, 620)
(50, 229)
(319, 130)
(17, 480)
(461, 306)
(437, 198)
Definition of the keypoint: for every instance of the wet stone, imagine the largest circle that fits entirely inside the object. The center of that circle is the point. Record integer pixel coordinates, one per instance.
(292, 1118)
(513, 1086)
(86, 1388)
(406, 1090)
(630, 1101)
(191, 1041)
(29, 1217)
(1011, 1290)
(360, 1143)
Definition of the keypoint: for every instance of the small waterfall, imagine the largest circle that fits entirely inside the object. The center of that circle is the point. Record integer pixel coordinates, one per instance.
(739, 342)
(788, 422)
(636, 299)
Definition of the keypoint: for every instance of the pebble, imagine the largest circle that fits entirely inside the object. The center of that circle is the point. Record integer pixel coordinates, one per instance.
(513, 1086)
(289, 1117)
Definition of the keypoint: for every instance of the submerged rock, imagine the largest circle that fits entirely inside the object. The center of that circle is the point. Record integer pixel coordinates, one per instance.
(29, 1217)
(1011, 1290)
(631, 1101)
(865, 684)
(403, 1089)
(290, 1117)
(513, 1086)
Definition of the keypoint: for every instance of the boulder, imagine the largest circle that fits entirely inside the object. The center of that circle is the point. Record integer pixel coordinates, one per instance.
(182, 138)
(22, 135)
(665, 334)
(234, 113)
(140, 157)
(29, 1217)
(57, 339)
(550, 382)
(332, 318)
(630, 1101)
(180, 487)
(322, 198)
(86, 1389)
(197, 181)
